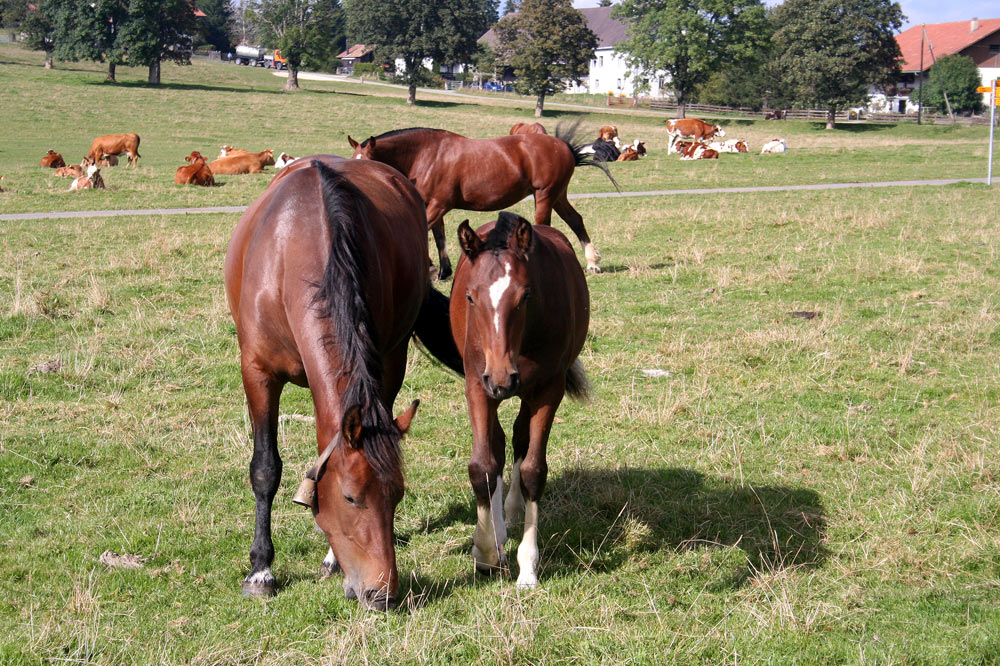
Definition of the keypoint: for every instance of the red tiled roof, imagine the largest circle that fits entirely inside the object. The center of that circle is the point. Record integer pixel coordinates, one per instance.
(356, 51)
(946, 38)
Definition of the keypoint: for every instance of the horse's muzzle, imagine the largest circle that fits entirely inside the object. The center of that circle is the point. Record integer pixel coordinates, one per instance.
(502, 391)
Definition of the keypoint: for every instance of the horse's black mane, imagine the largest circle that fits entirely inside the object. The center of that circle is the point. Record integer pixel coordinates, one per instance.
(386, 135)
(499, 235)
(341, 297)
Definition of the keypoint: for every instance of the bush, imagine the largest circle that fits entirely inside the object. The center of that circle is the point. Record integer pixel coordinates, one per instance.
(959, 77)
(367, 69)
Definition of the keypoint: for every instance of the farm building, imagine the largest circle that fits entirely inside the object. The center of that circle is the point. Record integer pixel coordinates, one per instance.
(608, 72)
(978, 39)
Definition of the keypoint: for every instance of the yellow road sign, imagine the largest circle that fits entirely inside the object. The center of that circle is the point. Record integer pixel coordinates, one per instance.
(982, 89)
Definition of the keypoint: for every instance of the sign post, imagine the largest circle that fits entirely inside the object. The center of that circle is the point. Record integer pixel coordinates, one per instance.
(994, 102)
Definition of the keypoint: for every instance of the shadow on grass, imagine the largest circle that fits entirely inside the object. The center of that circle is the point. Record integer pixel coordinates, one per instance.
(599, 520)
(199, 86)
(856, 128)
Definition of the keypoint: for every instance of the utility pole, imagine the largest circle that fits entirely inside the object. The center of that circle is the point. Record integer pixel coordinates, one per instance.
(920, 75)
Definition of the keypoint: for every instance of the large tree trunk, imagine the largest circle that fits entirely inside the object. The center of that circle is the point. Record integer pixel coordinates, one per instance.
(48, 61)
(539, 104)
(682, 109)
(831, 117)
(110, 78)
(293, 79)
(411, 94)
(154, 73)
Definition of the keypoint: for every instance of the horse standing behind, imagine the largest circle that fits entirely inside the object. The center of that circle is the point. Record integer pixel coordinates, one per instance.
(452, 171)
(519, 315)
(327, 279)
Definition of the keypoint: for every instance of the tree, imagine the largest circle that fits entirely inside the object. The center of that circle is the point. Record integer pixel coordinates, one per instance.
(296, 27)
(831, 51)
(690, 39)
(509, 7)
(213, 27)
(443, 31)
(156, 30)
(956, 75)
(39, 25)
(325, 38)
(89, 30)
(547, 42)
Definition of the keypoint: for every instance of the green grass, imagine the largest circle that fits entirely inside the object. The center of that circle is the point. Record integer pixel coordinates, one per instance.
(793, 491)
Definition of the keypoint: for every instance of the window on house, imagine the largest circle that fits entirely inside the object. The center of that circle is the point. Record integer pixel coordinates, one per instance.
(600, 60)
(994, 48)
(619, 84)
(597, 84)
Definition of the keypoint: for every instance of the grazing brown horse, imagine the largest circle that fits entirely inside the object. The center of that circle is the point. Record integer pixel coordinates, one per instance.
(327, 279)
(452, 171)
(519, 314)
(527, 128)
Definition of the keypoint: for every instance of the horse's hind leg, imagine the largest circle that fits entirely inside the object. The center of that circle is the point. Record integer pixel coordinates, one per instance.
(435, 220)
(533, 472)
(575, 222)
(262, 392)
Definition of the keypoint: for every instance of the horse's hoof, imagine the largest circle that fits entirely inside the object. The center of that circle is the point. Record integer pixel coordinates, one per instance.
(488, 568)
(444, 273)
(527, 583)
(593, 268)
(327, 570)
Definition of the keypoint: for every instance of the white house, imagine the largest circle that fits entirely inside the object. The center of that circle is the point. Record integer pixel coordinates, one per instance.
(608, 71)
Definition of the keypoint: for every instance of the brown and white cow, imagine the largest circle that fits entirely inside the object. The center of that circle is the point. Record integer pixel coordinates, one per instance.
(527, 128)
(694, 129)
(116, 144)
(697, 151)
(284, 159)
(196, 173)
(249, 163)
(92, 180)
(52, 160)
(773, 146)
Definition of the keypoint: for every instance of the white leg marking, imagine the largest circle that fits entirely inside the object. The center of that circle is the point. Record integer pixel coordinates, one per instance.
(593, 256)
(513, 507)
(329, 563)
(527, 552)
(491, 534)
(262, 577)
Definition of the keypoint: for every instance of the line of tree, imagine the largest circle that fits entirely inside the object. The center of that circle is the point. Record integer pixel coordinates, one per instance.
(416, 31)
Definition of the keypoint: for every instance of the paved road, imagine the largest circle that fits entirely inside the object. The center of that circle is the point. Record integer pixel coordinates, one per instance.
(11, 217)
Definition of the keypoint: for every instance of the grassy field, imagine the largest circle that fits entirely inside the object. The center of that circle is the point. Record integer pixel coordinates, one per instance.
(785, 490)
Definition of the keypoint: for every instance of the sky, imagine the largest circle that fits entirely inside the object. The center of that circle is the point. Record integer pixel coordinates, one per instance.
(916, 11)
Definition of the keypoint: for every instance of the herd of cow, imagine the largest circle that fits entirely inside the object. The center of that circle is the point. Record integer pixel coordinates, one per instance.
(692, 138)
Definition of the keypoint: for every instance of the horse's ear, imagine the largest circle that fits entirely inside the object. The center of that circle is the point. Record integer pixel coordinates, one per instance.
(469, 241)
(350, 427)
(403, 420)
(371, 143)
(522, 237)
(354, 144)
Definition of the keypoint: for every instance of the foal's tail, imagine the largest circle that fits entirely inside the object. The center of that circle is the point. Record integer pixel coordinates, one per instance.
(577, 386)
(567, 134)
(433, 330)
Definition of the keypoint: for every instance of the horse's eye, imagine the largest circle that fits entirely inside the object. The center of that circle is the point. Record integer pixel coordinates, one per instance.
(350, 500)
(527, 295)
(468, 297)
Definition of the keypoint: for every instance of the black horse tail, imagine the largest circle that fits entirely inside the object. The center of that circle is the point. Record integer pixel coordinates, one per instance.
(577, 386)
(433, 331)
(341, 297)
(567, 134)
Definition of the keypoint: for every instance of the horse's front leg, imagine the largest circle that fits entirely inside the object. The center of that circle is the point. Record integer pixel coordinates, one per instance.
(486, 477)
(262, 393)
(532, 473)
(435, 221)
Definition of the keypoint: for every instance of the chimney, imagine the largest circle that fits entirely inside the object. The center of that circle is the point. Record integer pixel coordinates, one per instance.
(974, 24)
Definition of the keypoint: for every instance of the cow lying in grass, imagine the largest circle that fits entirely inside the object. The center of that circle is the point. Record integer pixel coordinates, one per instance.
(239, 164)
(52, 160)
(197, 172)
(91, 181)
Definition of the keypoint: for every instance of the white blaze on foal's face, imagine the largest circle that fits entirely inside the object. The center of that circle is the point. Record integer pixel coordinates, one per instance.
(497, 290)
